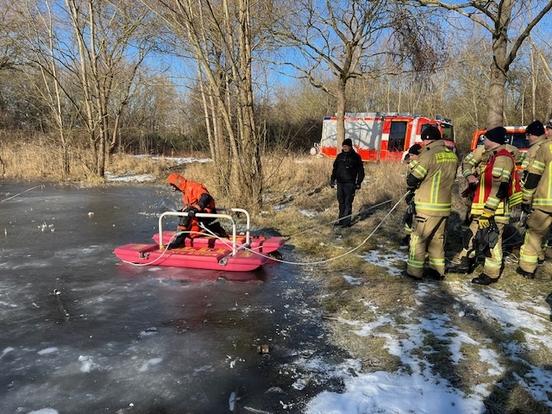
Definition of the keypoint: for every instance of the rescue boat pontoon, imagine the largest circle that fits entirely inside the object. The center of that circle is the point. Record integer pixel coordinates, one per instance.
(236, 253)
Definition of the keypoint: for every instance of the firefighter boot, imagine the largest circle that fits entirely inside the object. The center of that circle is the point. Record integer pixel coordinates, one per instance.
(484, 280)
(433, 274)
(178, 241)
(461, 265)
(525, 274)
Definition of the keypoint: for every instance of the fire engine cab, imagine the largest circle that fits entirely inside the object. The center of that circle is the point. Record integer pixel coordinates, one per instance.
(515, 135)
(380, 136)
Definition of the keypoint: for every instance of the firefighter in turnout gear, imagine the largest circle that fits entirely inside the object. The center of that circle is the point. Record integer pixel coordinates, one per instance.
(537, 137)
(430, 185)
(537, 199)
(497, 190)
(347, 173)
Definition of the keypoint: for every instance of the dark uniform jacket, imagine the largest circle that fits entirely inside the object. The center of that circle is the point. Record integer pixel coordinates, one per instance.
(348, 168)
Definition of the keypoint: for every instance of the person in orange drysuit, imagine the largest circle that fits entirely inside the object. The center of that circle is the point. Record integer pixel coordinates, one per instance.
(196, 199)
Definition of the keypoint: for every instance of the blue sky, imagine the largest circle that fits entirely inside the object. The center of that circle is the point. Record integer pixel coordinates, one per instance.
(182, 71)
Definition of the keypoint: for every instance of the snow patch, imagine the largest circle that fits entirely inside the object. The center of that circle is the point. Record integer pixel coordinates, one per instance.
(383, 392)
(137, 178)
(308, 213)
(354, 281)
(511, 316)
(150, 363)
(47, 351)
(491, 357)
(176, 160)
(44, 411)
(388, 260)
(87, 363)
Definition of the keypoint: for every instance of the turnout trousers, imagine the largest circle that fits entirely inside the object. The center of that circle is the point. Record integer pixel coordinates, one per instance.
(538, 225)
(345, 197)
(427, 238)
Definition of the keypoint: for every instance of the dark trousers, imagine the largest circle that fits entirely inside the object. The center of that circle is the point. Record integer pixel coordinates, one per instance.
(345, 197)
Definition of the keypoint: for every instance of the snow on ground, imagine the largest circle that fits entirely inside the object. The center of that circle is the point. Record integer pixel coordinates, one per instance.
(392, 261)
(418, 387)
(384, 392)
(308, 213)
(353, 281)
(176, 160)
(131, 178)
(44, 411)
(512, 316)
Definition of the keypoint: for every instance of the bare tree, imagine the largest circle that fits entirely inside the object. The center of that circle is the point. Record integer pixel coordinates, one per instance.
(338, 37)
(496, 16)
(222, 36)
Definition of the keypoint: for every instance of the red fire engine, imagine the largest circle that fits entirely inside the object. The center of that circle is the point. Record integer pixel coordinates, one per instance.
(380, 136)
(515, 135)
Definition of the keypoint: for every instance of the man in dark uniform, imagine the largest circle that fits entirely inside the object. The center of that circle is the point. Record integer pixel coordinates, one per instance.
(348, 173)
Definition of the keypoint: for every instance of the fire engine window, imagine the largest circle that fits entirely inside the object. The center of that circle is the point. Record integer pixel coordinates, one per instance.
(448, 132)
(397, 135)
(517, 140)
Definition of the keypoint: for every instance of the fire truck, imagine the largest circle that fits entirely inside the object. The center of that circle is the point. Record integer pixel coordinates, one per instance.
(380, 136)
(515, 135)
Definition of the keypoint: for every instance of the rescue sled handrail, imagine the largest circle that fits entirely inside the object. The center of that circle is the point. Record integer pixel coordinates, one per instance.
(247, 225)
(198, 215)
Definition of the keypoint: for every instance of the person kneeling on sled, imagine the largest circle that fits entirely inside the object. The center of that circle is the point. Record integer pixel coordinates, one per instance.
(196, 199)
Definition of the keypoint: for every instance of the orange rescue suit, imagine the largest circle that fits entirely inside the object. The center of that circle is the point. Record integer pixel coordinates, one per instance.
(193, 195)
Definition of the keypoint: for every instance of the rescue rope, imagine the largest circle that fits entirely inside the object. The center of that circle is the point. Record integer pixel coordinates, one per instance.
(318, 262)
(339, 219)
(312, 263)
(22, 192)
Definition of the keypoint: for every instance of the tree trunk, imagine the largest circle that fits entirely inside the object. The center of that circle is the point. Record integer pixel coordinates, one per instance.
(496, 98)
(340, 113)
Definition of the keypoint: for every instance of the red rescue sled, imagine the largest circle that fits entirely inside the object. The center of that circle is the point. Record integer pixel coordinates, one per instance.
(236, 253)
(259, 244)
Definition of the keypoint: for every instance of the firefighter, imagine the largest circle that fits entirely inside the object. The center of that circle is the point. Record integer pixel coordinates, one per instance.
(195, 199)
(348, 174)
(412, 154)
(430, 186)
(537, 201)
(536, 135)
(490, 209)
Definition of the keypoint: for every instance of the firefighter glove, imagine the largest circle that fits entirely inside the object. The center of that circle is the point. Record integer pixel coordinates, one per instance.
(357, 186)
(192, 212)
(485, 219)
(526, 208)
(332, 184)
(409, 196)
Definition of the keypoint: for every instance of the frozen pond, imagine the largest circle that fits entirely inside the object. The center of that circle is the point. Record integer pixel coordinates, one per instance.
(82, 333)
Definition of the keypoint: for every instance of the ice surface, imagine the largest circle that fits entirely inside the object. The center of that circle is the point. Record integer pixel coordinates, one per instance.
(47, 351)
(150, 363)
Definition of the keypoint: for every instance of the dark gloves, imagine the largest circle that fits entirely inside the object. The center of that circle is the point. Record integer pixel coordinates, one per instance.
(332, 184)
(357, 186)
(192, 212)
(526, 208)
(409, 196)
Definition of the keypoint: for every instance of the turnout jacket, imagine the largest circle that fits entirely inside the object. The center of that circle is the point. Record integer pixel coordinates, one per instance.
(471, 162)
(435, 170)
(538, 186)
(347, 168)
(530, 155)
(496, 190)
